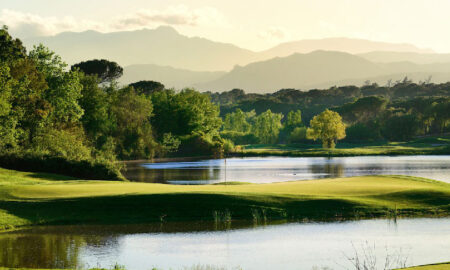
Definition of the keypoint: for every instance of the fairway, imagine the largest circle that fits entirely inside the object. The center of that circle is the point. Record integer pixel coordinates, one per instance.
(31, 198)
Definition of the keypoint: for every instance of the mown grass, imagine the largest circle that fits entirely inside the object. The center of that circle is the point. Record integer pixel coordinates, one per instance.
(36, 199)
(422, 146)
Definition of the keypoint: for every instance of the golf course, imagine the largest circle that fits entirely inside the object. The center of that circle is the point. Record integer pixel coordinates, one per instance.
(28, 199)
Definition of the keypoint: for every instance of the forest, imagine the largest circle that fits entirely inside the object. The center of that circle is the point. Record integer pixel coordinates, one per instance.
(79, 121)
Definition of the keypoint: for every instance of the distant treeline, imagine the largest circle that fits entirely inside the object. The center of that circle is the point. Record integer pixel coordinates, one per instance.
(371, 112)
(55, 118)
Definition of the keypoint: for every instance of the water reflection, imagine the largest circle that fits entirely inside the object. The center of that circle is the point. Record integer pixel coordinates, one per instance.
(278, 169)
(175, 245)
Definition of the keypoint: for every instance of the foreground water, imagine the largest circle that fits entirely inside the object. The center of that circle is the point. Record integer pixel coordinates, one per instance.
(286, 246)
(279, 169)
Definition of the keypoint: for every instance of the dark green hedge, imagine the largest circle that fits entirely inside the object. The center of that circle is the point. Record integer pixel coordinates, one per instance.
(84, 169)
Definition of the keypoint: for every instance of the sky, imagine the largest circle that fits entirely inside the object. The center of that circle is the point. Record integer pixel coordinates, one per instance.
(253, 24)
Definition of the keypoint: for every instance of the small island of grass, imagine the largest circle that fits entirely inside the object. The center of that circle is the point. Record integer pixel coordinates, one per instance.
(28, 199)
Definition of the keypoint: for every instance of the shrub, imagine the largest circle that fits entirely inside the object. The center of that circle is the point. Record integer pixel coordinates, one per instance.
(228, 146)
(61, 143)
(199, 144)
(239, 138)
(85, 169)
(297, 135)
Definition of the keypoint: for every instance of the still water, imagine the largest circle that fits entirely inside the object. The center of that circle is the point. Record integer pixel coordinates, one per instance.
(285, 246)
(279, 169)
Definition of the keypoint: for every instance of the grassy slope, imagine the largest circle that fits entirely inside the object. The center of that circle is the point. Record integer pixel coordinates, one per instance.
(423, 146)
(31, 198)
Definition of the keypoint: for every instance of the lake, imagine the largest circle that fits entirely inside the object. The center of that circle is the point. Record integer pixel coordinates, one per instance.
(285, 246)
(279, 169)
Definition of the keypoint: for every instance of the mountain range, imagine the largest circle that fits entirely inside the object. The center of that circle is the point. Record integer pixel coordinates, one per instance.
(178, 61)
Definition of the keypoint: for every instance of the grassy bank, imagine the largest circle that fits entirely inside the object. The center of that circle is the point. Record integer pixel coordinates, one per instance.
(439, 266)
(421, 146)
(31, 198)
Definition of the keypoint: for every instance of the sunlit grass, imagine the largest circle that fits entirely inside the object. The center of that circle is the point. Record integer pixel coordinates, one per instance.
(422, 146)
(30, 198)
(441, 266)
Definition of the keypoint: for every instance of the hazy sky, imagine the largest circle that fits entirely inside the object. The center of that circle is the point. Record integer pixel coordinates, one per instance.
(252, 24)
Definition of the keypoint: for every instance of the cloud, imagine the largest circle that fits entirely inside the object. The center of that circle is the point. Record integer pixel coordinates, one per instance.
(30, 25)
(274, 33)
(26, 25)
(173, 15)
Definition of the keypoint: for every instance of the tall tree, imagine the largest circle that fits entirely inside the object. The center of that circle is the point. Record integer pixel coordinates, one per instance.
(184, 113)
(328, 127)
(294, 119)
(10, 49)
(267, 126)
(147, 87)
(237, 121)
(106, 71)
(133, 132)
(64, 88)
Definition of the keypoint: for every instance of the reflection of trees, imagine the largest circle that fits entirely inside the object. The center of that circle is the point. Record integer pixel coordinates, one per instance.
(40, 251)
(332, 169)
(141, 174)
(56, 250)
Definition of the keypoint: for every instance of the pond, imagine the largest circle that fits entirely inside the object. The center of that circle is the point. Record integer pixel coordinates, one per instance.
(279, 169)
(285, 246)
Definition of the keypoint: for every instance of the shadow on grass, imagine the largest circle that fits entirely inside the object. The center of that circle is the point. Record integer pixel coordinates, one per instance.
(51, 176)
(134, 209)
(425, 198)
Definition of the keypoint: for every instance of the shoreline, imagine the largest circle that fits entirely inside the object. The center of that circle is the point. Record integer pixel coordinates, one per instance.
(30, 199)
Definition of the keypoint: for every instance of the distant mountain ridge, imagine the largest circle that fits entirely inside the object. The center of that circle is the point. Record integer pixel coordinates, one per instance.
(169, 76)
(178, 61)
(414, 57)
(164, 46)
(348, 45)
(321, 69)
(161, 46)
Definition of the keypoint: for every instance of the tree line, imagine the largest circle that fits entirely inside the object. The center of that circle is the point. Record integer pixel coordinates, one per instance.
(57, 118)
(79, 119)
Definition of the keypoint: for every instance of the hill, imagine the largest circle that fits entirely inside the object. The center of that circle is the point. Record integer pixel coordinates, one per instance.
(169, 76)
(322, 69)
(296, 71)
(162, 46)
(348, 45)
(414, 57)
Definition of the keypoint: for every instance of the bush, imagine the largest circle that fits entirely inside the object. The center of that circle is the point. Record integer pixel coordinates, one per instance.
(228, 146)
(297, 135)
(61, 143)
(239, 138)
(85, 169)
(200, 144)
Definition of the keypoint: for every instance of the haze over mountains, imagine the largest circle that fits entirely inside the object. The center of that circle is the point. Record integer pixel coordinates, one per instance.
(164, 55)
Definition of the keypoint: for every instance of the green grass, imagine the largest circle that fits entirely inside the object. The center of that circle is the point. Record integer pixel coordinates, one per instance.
(439, 266)
(422, 146)
(35, 199)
